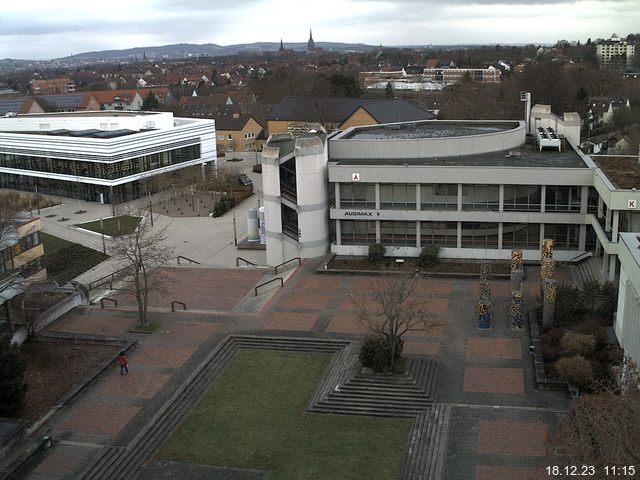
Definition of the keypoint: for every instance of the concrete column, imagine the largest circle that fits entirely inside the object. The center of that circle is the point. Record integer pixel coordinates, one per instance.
(605, 262)
(338, 232)
(600, 205)
(418, 234)
(377, 230)
(582, 238)
(500, 233)
(598, 247)
(614, 222)
(459, 197)
(612, 267)
(501, 208)
(337, 194)
(607, 221)
(459, 234)
(418, 196)
(541, 234)
(543, 199)
(378, 200)
(584, 197)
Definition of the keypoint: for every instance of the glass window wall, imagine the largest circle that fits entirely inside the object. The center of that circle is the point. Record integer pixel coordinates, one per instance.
(479, 235)
(357, 195)
(480, 197)
(442, 234)
(520, 235)
(439, 196)
(522, 198)
(397, 233)
(398, 196)
(355, 232)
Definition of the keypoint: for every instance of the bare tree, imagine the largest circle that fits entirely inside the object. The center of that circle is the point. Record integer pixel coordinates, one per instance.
(141, 253)
(11, 282)
(603, 428)
(394, 307)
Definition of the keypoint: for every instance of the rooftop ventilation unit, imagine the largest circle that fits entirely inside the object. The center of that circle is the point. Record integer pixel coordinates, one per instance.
(548, 138)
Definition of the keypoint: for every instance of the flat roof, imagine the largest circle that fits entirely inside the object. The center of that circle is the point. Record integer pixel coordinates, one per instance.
(91, 113)
(526, 155)
(623, 172)
(428, 129)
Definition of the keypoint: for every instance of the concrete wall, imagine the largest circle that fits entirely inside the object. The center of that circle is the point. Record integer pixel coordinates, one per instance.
(567, 125)
(83, 121)
(627, 322)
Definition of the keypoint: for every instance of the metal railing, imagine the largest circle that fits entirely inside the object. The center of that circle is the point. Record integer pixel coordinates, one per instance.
(245, 261)
(102, 300)
(255, 290)
(298, 259)
(187, 259)
(582, 256)
(110, 278)
(176, 302)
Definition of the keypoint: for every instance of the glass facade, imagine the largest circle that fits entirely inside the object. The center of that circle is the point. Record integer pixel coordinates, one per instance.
(520, 235)
(439, 196)
(522, 198)
(398, 196)
(101, 170)
(481, 197)
(562, 199)
(443, 234)
(353, 232)
(564, 236)
(479, 235)
(357, 195)
(398, 233)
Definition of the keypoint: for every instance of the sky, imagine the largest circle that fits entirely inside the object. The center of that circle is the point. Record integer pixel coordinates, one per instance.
(44, 29)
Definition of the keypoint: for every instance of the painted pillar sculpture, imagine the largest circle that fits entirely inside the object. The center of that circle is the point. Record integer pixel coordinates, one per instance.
(546, 263)
(549, 301)
(484, 305)
(517, 275)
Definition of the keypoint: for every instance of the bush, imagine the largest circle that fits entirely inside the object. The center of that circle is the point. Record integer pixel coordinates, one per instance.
(12, 386)
(429, 256)
(376, 253)
(219, 208)
(577, 369)
(376, 350)
(573, 343)
(570, 305)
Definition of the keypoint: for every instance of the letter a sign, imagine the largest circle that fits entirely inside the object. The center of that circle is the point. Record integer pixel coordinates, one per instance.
(355, 177)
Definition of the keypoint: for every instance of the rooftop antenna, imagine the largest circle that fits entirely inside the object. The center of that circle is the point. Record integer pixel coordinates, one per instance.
(526, 98)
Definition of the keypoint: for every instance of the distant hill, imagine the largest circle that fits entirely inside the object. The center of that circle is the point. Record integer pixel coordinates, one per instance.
(182, 50)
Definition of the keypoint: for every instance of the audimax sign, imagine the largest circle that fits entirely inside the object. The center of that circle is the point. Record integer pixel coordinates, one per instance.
(361, 213)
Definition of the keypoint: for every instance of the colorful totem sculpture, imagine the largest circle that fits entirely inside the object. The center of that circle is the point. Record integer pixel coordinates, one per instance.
(484, 305)
(517, 275)
(549, 301)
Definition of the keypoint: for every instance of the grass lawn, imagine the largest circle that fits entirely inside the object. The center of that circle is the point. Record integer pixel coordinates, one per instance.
(253, 417)
(114, 226)
(65, 260)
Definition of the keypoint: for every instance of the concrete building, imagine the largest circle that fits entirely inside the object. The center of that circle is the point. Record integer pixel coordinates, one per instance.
(615, 51)
(52, 86)
(295, 196)
(99, 156)
(627, 322)
(237, 133)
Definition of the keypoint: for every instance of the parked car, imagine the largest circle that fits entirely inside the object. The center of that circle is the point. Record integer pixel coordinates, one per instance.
(244, 179)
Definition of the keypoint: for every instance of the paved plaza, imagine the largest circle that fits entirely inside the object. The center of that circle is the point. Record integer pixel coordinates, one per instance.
(499, 420)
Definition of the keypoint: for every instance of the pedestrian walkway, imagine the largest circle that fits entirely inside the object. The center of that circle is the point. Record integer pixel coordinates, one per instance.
(498, 419)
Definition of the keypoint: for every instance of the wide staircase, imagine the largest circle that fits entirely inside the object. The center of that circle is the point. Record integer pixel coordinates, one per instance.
(589, 270)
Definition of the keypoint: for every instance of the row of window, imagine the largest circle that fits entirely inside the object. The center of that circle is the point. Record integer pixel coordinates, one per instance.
(26, 243)
(445, 234)
(247, 136)
(109, 171)
(443, 196)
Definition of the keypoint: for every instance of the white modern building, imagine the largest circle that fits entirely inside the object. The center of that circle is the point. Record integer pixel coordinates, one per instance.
(615, 51)
(627, 323)
(99, 156)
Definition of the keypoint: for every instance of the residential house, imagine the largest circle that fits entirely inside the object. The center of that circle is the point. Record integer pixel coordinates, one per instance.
(19, 105)
(602, 109)
(52, 86)
(237, 133)
(124, 100)
(614, 51)
(341, 112)
(70, 102)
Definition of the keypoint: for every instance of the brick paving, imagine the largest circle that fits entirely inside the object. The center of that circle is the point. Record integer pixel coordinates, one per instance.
(496, 348)
(512, 438)
(493, 380)
(499, 419)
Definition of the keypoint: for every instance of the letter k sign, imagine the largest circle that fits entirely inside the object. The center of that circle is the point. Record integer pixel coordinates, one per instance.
(632, 204)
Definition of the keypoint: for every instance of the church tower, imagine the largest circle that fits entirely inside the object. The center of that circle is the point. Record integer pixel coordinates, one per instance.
(311, 45)
(281, 46)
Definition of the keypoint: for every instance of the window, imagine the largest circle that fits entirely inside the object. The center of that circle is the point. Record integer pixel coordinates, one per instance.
(592, 200)
(564, 236)
(439, 196)
(357, 195)
(229, 136)
(398, 196)
(443, 234)
(479, 235)
(520, 235)
(480, 197)
(289, 222)
(562, 199)
(397, 233)
(356, 232)
(220, 137)
(522, 198)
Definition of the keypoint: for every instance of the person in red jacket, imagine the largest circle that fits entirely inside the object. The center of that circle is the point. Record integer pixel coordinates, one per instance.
(124, 364)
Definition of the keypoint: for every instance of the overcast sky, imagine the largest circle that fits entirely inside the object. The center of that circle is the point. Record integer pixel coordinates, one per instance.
(45, 29)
